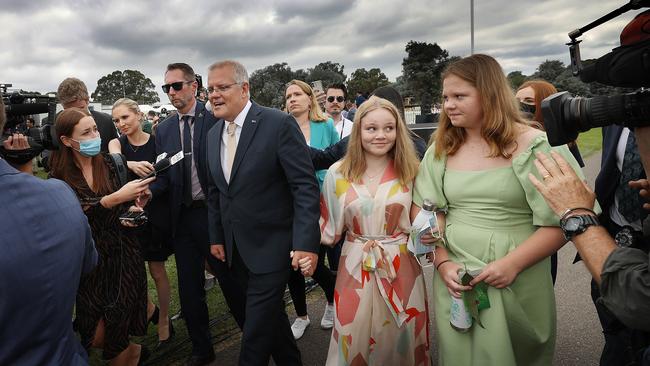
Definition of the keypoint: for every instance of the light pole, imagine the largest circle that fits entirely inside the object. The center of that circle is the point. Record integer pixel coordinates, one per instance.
(471, 17)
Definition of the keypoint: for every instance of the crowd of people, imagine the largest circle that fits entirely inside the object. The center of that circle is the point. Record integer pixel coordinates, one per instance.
(261, 197)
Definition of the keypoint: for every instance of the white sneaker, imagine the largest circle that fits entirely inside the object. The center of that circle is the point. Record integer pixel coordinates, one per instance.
(299, 326)
(328, 317)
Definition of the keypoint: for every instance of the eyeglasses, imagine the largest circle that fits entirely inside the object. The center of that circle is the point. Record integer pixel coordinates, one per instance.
(220, 89)
(177, 86)
(339, 99)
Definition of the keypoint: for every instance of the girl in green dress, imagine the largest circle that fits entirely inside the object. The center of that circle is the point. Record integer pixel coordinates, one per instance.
(497, 223)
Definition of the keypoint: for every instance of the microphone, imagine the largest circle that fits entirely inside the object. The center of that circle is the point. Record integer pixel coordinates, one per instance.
(165, 163)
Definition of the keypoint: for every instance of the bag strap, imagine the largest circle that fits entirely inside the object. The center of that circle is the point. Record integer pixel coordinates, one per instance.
(120, 166)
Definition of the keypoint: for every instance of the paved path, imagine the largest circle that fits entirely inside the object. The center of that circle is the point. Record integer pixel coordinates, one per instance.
(579, 340)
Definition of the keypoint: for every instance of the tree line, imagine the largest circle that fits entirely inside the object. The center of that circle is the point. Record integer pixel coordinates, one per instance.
(420, 79)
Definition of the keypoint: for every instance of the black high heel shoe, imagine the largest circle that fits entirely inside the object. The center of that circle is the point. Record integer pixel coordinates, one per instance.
(165, 342)
(154, 317)
(144, 355)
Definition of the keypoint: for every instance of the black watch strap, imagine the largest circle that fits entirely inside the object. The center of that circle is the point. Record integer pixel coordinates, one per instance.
(574, 225)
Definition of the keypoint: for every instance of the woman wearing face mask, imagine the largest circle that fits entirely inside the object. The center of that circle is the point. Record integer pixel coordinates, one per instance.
(139, 148)
(112, 299)
(319, 132)
(381, 307)
(530, 95)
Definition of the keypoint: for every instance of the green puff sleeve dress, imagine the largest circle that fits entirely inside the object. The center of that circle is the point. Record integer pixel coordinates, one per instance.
(491, 212)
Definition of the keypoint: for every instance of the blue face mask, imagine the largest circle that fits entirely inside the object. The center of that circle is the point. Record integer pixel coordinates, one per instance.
(90, 147)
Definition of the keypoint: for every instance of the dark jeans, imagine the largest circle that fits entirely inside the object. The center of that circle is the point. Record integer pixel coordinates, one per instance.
(322, 276)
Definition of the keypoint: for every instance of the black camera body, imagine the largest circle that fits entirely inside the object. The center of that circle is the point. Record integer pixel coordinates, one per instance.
(626, 66)
(18, 106)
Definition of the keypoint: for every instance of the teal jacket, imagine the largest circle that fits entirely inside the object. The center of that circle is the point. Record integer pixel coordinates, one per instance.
(323, 134)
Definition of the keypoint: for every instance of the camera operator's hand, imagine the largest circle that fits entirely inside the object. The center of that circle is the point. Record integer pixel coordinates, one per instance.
(128, 192)
(140, 168)
(17, 141)
(644, 190)
(561, 187)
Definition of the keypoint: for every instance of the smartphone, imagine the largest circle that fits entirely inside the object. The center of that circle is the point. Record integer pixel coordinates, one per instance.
(317, 85)
(135, 217)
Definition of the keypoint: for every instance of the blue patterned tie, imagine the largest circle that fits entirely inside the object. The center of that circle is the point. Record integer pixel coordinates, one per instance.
(629, 202)
(187, 161)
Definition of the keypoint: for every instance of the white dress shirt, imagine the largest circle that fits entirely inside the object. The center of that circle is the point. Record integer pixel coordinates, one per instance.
(239, 121)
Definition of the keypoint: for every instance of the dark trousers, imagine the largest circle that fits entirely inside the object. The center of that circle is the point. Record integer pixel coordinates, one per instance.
(191, 249)
(266, 331)
(322, 276)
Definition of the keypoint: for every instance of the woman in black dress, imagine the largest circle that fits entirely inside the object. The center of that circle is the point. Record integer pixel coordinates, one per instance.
(112, 299)
(139, 148)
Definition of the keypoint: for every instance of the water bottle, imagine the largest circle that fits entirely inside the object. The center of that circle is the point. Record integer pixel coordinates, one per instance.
(421, 226)
(459, 316)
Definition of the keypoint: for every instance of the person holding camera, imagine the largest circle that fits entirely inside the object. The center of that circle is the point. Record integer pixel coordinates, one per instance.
(621, 272)
(112, 299)
(41, 224)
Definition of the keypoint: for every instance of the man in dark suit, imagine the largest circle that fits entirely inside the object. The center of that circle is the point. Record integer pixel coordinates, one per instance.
(72, 93)
(46, 245)
(620, 163)
(185, 184)
(262, 206)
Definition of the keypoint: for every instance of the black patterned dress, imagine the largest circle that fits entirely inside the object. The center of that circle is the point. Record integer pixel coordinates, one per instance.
(116, 290)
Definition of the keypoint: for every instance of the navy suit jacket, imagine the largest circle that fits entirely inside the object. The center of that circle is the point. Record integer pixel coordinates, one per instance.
(168, 139)
(609, 175)
(271, 205)
(45, 246)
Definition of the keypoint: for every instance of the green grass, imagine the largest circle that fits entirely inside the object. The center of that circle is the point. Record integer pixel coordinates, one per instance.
(590, 142)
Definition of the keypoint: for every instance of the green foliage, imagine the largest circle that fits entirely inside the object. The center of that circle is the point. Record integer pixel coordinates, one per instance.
(328, 72)
(130, 84)
(267, 84)
(422, 68)
(549, 70)
(516, 78)
(365, 81)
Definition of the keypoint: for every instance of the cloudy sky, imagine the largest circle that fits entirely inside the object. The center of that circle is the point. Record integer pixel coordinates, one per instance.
(48, 40)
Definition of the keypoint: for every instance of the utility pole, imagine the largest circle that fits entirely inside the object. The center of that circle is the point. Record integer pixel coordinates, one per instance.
(471, 11)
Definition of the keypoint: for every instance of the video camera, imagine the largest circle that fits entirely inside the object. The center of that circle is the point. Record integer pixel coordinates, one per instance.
(627, 66)
(18, 107)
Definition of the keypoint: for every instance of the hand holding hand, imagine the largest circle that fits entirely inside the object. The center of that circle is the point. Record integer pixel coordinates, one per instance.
(218, 251)
(305, 261)
(500, 273)
(449, 274)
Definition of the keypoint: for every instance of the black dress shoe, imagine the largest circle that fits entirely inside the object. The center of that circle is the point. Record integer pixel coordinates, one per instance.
(165, 342)
(200, 360)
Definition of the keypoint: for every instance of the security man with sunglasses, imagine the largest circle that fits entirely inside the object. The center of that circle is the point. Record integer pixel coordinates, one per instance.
(334, 104)
(184, 185)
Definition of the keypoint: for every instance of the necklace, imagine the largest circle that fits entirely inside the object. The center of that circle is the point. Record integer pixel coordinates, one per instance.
(132, 148)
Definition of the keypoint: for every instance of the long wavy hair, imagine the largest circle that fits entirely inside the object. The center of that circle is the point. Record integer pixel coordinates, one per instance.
(315, 113)
(405, 160)
(501, 113)
(542, 89)
(63, 164)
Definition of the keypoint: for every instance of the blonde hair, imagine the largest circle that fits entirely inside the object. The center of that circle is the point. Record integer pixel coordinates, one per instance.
(353, 164)
(501, 113)
(315, 113)
(130, 104)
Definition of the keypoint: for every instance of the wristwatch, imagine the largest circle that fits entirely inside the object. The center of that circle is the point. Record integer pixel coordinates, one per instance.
(574, 225)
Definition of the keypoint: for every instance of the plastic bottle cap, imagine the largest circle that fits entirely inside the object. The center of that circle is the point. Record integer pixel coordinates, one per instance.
(428, 205)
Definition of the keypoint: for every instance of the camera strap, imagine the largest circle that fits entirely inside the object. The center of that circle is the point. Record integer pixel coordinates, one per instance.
(120, 166)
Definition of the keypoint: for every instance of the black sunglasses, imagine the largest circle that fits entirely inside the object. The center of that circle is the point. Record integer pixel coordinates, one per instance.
(177, 86)
(339, 99)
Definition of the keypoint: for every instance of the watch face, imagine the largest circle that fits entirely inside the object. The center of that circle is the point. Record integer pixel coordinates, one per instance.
(572, 224)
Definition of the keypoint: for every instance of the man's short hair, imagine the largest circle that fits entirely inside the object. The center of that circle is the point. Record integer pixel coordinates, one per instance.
(241, 75)
(70, 90)
(152, 113)
(340, 86)
(188, 71)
